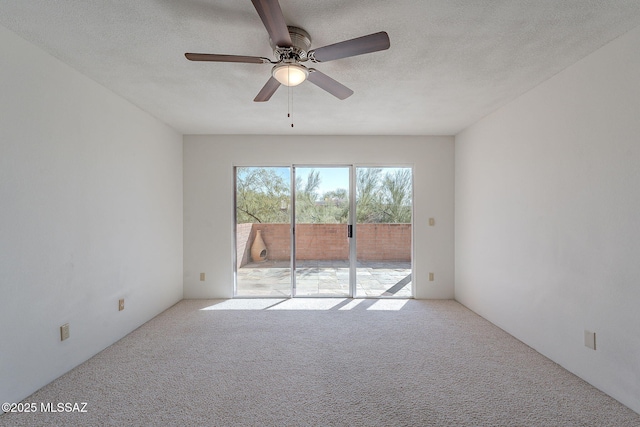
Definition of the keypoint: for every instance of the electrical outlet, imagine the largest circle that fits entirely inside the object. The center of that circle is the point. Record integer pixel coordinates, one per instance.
(202, 277)
(121, 304)
(64, 332)
(432, 222)
(431, 277)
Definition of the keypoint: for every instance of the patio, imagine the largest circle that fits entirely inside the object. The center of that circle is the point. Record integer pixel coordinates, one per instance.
(325, 278)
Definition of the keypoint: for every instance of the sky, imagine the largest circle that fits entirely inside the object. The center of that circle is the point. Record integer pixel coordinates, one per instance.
(330, 178)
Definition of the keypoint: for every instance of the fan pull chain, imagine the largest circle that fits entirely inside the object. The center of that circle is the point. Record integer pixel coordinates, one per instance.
(289, 96)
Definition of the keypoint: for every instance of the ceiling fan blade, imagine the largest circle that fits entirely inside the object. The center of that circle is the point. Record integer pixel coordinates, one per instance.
(358, 46)
(273, 20)
(225, 58)
(325, 82)
(267, 90)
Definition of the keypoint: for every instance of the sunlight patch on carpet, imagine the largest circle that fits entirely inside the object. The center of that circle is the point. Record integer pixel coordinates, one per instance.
(388, 304)
(244, 304)
(312, 304)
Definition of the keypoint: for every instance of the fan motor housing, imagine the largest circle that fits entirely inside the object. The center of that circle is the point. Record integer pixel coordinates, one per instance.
(300, 44)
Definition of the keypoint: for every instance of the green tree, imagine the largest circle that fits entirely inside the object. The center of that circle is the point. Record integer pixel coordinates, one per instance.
(306, 198)
(336, 204)
(311, 208)
(396, 196)
(382, 196)
(261, 196)
(368, 194)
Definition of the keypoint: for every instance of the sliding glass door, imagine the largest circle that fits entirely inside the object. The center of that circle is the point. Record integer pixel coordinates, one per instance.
(263, 232)
(330, 231)
(384, 206)
(322, 243)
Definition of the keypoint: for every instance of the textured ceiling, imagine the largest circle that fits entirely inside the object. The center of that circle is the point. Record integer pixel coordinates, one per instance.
(450, 62)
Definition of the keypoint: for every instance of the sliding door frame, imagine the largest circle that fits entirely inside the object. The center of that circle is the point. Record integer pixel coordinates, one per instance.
(351, 223)
(354, 257)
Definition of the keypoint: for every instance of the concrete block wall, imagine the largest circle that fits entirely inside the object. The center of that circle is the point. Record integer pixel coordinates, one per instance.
(384, 242)
(375, 242)
(322, 242)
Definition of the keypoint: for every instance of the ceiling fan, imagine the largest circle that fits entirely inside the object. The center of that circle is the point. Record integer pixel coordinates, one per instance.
(291, 47)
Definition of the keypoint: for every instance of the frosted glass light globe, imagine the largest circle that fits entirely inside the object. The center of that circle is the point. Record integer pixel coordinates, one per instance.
(290, 74)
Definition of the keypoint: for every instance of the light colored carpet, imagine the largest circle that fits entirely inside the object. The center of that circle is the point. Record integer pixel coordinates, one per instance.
(324, 362)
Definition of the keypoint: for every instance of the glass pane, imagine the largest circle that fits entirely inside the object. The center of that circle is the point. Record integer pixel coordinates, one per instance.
(263, 239)
(383, 232)
(322, 244)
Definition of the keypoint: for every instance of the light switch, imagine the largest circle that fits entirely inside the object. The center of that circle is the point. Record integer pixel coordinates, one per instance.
(590, 339)
(64, 332)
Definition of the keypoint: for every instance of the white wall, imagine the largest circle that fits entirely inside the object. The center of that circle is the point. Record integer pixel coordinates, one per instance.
(208, 198)
(548, 218)
(90, 212)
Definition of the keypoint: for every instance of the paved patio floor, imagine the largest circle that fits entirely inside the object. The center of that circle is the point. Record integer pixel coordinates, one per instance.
(325, 278)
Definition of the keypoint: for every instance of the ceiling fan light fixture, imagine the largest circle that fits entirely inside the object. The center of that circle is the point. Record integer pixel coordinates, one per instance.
(290, 74)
